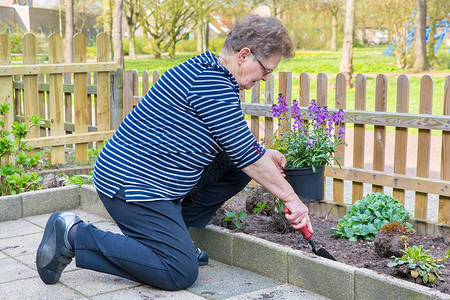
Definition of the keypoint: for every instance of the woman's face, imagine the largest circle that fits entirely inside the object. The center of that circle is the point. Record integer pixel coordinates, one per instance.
(252, 69)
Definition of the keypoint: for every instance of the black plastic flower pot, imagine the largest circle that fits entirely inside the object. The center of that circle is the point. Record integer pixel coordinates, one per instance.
(308, 185)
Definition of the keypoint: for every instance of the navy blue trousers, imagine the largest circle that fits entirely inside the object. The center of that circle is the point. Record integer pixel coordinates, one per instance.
(155, 247)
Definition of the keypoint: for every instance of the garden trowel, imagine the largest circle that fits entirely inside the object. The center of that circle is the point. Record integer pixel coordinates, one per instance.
(308, 236)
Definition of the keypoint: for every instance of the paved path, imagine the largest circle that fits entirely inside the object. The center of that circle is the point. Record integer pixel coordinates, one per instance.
(19, 279)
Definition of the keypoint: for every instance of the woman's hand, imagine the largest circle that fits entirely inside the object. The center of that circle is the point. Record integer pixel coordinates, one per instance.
(278, 159)
(297, 214)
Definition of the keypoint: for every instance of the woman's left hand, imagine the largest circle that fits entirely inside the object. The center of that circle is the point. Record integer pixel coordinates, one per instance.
(278, 159)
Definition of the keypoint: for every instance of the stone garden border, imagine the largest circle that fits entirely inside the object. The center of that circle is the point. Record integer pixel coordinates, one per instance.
(328, 278)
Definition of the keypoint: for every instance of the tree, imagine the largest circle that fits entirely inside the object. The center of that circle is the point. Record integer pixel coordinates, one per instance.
(117, 33)
(421, 60)
(167, 19)
(68, 53)
(396, 16)
(132, 11)
(346, 64)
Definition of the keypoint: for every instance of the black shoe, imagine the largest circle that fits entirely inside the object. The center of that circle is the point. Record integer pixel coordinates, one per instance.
(202, 257)
(54, 252)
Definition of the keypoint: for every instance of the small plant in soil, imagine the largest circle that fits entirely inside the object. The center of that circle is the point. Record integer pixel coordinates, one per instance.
(366, 217)
(416, 263)
(17, 158)
(261, 207)
(236, 217)
(78, 180)
(388, 241)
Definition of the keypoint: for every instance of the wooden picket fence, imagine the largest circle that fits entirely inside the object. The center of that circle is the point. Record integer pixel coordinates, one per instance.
(357, 173)
(39, 89)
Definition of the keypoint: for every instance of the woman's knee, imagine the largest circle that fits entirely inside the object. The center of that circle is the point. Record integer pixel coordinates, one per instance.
(173, 279)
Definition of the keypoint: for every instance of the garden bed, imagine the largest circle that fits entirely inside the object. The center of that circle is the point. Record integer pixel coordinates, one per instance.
(360, 254)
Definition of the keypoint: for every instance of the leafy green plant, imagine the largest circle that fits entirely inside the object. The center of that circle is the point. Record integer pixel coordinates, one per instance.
(17, 158)
(366, 217)
(417, 263)
(236, 217)
(78, 180)
(261, 207)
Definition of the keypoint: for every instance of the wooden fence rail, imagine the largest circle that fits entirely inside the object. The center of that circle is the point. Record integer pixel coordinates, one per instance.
(355, 170)
(39, 89)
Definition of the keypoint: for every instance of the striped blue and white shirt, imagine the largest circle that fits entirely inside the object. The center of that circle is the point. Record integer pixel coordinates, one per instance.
(161, 148)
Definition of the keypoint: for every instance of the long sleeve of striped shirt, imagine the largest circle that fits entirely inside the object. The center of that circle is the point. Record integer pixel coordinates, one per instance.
(161, 148)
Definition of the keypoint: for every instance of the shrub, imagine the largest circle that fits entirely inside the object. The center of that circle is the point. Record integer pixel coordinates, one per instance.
(366, 217)
(17, 158)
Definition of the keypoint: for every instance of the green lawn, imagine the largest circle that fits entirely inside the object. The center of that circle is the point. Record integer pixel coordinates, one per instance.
(366, 60)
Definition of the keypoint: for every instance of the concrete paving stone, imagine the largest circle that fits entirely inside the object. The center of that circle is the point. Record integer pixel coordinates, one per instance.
(3, 255)
(88, 217)
(11, 270)
(90, 201)
(146, 292)
(34, 288)
(21, 245)
(220, 281)
(17, 227)
(280, 292)
(91, 283)
(30, 261)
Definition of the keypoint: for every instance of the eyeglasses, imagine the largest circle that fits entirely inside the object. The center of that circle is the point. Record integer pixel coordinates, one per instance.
(265, 71)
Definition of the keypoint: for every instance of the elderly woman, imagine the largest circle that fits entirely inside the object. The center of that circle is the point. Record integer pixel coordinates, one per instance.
(175, 159)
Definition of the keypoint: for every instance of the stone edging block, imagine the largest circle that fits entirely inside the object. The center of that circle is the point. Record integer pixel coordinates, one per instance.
(260, 256)
(320, 275)
(371, 285)
(216, 241)
(49, 200)
(10, 208)
(90, 202)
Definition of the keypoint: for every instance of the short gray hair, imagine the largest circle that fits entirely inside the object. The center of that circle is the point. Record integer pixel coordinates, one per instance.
(264, 36)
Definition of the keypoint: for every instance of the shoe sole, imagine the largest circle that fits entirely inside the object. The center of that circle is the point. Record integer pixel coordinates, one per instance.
(49, 228)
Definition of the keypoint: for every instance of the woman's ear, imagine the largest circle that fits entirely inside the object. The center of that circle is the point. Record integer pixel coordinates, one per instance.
(243, 55)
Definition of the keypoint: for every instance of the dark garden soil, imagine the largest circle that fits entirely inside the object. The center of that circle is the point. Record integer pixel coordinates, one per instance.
(361, 254)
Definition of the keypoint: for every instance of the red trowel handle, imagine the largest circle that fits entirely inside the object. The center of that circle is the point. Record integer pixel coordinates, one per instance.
(304, 230)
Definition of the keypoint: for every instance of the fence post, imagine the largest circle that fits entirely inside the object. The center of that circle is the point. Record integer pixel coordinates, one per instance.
(379, 135)
(56, 97)
(444, 202)
(359, 135)
(401, 135)
(116, 102)
(31, 94)
(322, 89)
(103, 89)
(423, 146)
(80, 95)
(6, 82)
(303, 97)
(268, 95)
(254, 123)
(145, 82)
(285, 88)
(340, 102)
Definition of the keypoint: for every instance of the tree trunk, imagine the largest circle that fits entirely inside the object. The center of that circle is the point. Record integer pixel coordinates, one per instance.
(199, 39)
(131, 42)
(117, 33)
(68, 52)
(346, 64)
(421, 60)
(334, 26)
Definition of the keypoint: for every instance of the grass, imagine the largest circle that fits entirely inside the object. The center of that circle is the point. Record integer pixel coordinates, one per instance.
(367, 60)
